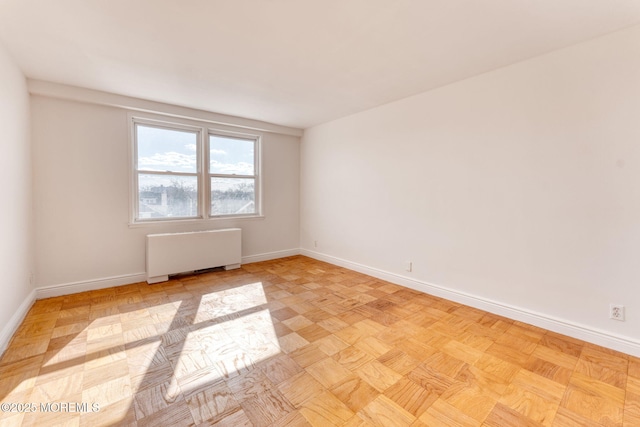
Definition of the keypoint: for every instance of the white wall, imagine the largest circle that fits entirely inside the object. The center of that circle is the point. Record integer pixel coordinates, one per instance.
(15, 207)
(81, 175)
(520, 186)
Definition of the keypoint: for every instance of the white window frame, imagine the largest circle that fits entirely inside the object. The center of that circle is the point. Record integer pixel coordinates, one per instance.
(255, 176)
(203, 131)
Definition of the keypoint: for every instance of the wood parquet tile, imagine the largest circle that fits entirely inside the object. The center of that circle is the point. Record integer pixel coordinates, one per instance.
(297, 342)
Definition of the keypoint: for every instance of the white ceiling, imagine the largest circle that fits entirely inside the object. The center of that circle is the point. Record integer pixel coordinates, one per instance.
(290, 62)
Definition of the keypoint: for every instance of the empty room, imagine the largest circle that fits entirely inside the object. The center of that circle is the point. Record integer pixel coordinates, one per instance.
(320, 213)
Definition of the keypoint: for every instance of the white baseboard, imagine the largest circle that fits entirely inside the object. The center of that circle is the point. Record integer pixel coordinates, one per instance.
(270, 255)
(561, 326)
(88, 285)
(126, 279)
(12, 326)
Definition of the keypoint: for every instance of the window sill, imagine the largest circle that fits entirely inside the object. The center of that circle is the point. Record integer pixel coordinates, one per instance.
(172, 222)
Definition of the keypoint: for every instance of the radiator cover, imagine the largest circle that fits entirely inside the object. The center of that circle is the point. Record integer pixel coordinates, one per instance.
(172, 253)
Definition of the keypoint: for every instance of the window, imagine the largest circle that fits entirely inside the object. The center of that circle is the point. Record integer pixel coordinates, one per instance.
(166, 172)
(185, 172)
(232, 171)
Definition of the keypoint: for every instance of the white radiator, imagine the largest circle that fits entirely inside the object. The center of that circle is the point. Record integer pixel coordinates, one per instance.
(173, 253)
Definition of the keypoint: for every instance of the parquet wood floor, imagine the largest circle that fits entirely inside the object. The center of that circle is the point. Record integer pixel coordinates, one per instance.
(297, 342)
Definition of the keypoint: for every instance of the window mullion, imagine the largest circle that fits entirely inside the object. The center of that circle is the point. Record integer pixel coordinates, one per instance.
(205, 198)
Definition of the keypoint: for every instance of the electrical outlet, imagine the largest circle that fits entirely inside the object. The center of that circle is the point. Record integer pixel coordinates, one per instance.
(408, 266)
(616, 312)
(315, 243)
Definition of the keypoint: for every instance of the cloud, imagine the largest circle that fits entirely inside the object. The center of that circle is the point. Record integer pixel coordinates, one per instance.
(219, 152)
(239, 168)
(191, 147)
(169, 161)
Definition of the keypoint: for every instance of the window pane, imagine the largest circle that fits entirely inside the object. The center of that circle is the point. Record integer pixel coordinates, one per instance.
(162, 196)
(233, 196)
(231, 155)
(166, 150)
